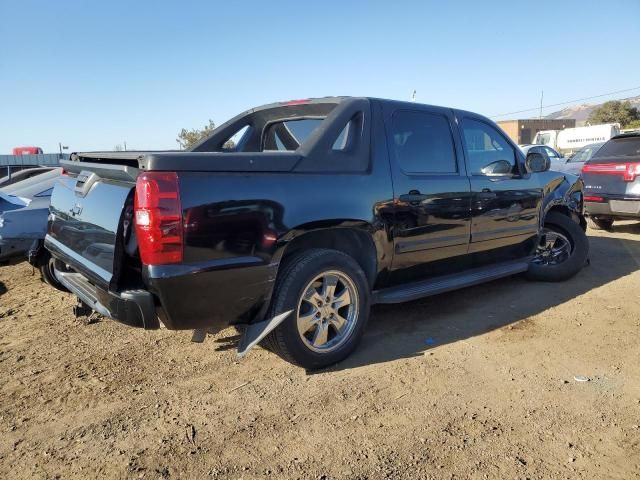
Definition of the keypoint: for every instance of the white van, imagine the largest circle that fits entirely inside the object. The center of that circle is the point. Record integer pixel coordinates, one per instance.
(570, 140)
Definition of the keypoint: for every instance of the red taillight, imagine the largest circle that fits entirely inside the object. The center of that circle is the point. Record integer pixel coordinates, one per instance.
(593, 198)
(158, 218)
(633, 170)
(629, 171)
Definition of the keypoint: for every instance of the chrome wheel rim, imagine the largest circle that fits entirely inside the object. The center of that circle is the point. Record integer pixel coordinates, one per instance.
(554, 249)
(327, 312)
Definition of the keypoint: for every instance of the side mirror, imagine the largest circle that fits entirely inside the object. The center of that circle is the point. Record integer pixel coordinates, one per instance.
(499, 167)
(538, 162)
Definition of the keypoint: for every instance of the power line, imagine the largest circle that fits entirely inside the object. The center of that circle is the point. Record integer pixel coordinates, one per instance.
(566, 103)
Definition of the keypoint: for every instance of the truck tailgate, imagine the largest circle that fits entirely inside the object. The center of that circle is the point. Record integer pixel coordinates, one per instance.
(85, 221)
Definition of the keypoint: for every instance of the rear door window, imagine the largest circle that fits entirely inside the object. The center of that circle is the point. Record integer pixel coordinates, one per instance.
(422, 143)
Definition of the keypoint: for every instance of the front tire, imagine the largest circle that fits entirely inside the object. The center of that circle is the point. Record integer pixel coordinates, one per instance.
(328, 294)
(563, 252)
(600, 223)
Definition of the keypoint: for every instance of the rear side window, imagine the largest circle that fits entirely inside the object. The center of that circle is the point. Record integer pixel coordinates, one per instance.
(288, 135)
(619, 147)
(422, 142)
(236, 140)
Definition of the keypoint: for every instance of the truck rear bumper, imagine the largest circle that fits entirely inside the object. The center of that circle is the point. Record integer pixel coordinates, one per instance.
(132, 307)
(208, 295)
(623, 208)
(211, 295)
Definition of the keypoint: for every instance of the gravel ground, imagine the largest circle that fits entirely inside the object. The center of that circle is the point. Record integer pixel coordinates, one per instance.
(486, 382)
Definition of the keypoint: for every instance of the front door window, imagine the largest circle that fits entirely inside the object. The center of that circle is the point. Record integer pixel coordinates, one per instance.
(489, 153)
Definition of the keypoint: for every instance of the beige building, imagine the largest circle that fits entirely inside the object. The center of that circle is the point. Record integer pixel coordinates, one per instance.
(523, 131)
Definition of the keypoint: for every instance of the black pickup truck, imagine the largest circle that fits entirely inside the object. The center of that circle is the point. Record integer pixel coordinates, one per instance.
(319, 209)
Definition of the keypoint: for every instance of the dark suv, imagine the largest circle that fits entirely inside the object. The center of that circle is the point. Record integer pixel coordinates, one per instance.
(612, 181)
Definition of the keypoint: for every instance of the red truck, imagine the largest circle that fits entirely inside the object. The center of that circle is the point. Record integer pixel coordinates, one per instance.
(27, 151)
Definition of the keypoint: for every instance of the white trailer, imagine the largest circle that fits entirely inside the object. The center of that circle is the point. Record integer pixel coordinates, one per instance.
(570, 140)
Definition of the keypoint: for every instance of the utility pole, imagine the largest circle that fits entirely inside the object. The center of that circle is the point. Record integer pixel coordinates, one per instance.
(125, 146)
(62, 147)
(541, 98)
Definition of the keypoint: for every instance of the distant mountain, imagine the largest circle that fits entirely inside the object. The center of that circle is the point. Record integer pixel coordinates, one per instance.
(581, 112)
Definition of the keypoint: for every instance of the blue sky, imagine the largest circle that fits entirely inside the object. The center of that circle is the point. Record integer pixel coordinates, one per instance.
(95, 74)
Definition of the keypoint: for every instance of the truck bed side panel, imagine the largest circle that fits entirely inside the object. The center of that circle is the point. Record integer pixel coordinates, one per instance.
(235, 228)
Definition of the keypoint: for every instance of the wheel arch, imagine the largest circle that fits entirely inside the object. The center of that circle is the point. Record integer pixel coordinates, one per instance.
(568, 212)
(565, 197)
(352, 238)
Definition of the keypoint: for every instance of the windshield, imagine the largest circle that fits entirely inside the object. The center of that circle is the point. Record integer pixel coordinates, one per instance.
(542, 138)
(585, 153)
(620, 147)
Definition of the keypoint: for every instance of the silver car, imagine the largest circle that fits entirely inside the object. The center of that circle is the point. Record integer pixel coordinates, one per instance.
(575, 163)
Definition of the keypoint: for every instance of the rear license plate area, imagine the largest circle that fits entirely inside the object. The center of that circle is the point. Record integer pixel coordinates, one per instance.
(625, 206)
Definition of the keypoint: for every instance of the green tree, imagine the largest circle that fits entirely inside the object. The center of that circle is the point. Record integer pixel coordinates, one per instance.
(614, 111)
(188, 138)
(633, 124)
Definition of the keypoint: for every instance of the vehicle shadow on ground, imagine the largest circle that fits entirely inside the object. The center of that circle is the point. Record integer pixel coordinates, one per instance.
(627, 228)
(408, 330)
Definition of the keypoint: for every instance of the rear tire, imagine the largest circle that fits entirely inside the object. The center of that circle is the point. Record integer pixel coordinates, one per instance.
(47, 275)
(328, 294)
(600, 223)
(547, 268)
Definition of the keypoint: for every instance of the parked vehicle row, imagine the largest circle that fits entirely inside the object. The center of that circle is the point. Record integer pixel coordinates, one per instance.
(322, 208)
(572, 164)
(610, 171)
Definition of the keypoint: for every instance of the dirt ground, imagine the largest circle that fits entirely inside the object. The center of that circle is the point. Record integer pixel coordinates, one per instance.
(479, 383)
